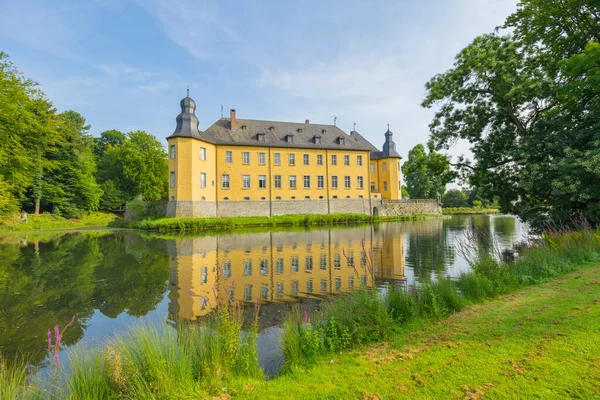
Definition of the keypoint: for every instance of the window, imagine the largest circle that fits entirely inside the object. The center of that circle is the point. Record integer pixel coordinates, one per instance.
(317, 139)
(385, 186)
(338, 283)
(227, 269)
(323, 263)
(372, 186)
(309, 286)
(202, 153)
(172, 151)
(359, 182)
(346, 160)
(264, 267)
(202, 179)
(306, 159)
(277, 158)
(306, 181)
(289, 138)
(372, 167)
(225, 181)
(359, 161)
(172, 179)
(228, 157)
(337, 261)
(341, 140)
(260, 137)
(384, 166)
(334, 182)
(277, 181)
(333, 159)
(279, 266)
(245, 181)
(347, 182)
(246, 157)
(295, 264)
(399, 166)
(262, 181)
(323, 285)
(319, 159)
(309, 263)
(292, 159)
(320, 182)
(292, 181)
(247, 268)
(261, 158)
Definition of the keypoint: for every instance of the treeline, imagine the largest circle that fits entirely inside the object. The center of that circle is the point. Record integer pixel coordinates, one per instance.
(527, 99)
(456, 198)
(49, 161)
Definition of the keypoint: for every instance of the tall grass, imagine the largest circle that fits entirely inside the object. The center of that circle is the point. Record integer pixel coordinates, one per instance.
(224, 223)
(365, 316)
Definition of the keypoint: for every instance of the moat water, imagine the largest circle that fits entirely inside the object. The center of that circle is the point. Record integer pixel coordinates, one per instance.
(110, 280)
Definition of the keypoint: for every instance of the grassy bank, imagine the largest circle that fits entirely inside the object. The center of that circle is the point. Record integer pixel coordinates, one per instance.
(50, 221)
(468, 210)
(204, 224)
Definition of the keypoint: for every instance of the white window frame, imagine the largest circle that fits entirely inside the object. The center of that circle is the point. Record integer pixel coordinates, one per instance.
(246, 157)
(372, 167)
(359, 160)
(333, 159)
(225, 181)
(306, 159)
(246, 181)
(385, 187)
(320, 182)
(229, 157)
(202, 179)
(276, 158)
(347, 182)
(172, 152)
(292, 159)
(261, 158)
(319, 159)
(360, 182)
(277, 181)
(383, 166)
(203, 153)
(262, 181)
(292, 178)
(347, 160)
(172, 180)
(305, 180)
(334, 182)
(373, 188)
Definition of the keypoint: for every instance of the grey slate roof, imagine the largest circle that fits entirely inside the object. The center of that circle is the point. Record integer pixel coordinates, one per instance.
(275, 133)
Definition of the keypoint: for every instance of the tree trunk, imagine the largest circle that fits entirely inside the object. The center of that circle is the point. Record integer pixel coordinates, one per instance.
(37, 206)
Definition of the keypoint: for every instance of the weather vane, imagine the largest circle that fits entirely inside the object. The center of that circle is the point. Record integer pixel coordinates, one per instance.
(221, 110)
(354, 129)
(334, 120)
(188, 91)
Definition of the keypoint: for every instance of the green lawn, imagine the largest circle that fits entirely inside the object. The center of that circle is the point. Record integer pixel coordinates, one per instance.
(541, 342)
(49, 221)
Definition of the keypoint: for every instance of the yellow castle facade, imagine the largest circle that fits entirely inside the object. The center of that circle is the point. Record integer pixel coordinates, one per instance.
(240, 167)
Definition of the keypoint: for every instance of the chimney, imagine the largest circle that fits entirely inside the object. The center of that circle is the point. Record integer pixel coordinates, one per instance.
(233, 119)
(307, 122)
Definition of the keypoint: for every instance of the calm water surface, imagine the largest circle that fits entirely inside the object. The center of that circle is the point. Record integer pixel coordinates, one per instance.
(112, 279)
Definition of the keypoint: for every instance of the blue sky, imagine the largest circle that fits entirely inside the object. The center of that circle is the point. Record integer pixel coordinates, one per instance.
(125, 64)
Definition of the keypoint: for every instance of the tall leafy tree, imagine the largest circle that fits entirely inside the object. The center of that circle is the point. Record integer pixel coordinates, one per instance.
(426, 173)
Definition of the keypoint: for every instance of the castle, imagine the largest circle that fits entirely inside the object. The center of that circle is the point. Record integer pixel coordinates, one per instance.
(243, 167)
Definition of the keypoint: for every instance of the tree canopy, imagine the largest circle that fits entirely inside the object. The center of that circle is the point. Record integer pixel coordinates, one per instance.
(426, 173)
(526, 99)
(50, 162)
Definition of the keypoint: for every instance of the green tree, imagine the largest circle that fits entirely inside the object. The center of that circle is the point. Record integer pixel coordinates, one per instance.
(144, 162)
(426, 173)
(405, 193)
(454, 198)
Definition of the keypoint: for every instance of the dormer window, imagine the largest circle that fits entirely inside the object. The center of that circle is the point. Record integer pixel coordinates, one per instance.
(271, 128)
(324, 131)
(317, 139)
(299, 130)
(244, 127)
(260, 137)
(341, 140)
(289, 138)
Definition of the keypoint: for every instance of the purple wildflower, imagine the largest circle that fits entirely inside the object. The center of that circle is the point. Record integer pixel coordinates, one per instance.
(305, 317)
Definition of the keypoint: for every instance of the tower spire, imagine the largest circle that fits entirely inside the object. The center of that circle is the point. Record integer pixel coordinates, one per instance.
(188, 91)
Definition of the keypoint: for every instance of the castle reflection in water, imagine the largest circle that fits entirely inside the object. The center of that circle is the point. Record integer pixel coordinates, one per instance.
(280, 267)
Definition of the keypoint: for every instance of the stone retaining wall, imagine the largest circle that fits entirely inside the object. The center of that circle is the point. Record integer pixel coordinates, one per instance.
(210, 209)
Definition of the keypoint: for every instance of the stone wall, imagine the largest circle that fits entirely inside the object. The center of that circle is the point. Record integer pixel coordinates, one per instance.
(392, 208)
(207, 209)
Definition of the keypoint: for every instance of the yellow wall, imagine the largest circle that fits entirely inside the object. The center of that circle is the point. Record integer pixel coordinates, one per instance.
(187, 166)
(237, 169)
(390, 174)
